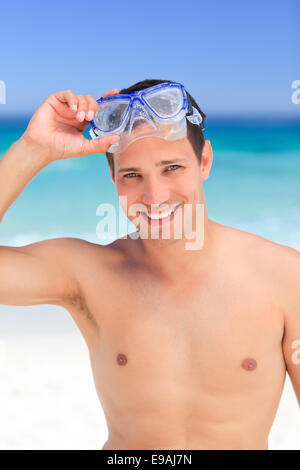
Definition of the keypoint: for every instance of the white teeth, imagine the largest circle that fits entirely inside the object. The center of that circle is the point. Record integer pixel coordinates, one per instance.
(163, 215)
(160, 216)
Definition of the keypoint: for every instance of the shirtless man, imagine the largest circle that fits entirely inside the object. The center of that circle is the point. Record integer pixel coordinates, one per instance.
(189, 348)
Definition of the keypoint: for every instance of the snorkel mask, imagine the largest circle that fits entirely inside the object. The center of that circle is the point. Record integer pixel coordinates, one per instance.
(159, 111)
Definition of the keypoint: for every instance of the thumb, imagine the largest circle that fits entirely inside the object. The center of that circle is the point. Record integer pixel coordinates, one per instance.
(99, 145)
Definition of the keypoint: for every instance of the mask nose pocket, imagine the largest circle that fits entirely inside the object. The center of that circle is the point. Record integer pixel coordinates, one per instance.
(139, 116)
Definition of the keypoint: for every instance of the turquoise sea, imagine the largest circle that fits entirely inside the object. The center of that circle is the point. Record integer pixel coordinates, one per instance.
(254, 184)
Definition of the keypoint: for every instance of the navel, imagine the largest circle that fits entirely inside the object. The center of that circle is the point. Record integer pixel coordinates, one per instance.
(249, 363)
(121, 359)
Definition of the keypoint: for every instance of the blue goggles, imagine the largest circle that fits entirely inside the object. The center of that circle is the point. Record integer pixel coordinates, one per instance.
(162, 109)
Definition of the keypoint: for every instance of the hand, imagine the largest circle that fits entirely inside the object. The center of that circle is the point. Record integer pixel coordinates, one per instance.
(57, 126)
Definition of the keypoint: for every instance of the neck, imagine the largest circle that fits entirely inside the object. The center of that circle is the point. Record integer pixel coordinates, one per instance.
(172, 260)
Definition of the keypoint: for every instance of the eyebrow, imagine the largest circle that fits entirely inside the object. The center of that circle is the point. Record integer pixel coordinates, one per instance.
(161, 163)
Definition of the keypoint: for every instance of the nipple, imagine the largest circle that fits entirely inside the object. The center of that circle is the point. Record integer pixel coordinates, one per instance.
(121, 359)
(249, 364)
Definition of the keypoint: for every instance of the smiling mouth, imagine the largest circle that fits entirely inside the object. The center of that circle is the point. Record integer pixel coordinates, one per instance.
(164, 216)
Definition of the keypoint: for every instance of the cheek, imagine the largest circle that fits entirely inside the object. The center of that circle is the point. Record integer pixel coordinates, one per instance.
(191, 189)
(187, 184)
(124, 189)
(127, 196)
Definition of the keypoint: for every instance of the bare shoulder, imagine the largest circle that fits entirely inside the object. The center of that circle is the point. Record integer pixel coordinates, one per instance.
(89, 254)
(76, 254)
(260, 249)
(91, 264)
(270, 261)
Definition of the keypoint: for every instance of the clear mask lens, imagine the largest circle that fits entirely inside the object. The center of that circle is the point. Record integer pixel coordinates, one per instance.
(165, 103)
(110, 114)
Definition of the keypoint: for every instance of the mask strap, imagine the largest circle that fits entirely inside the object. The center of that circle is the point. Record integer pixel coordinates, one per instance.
(195, 118)
(93, 133)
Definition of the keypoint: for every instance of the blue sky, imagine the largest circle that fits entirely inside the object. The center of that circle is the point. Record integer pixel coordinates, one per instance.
(234, 57)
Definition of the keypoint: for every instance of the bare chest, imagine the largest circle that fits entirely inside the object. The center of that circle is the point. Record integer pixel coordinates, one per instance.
(201, 338)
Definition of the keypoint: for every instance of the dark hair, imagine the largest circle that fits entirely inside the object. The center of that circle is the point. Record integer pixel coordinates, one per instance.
(194, 133)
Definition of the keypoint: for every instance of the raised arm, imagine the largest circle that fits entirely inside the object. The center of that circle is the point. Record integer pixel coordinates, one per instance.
(43, 272)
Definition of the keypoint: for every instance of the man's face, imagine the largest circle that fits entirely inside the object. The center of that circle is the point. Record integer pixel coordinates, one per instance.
(158, 177)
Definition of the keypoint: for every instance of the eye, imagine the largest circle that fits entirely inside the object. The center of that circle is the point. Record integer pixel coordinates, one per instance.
(173, 166)
(129, 175)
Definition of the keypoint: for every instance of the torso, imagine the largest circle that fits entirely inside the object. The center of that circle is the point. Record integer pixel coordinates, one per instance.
(195, 365)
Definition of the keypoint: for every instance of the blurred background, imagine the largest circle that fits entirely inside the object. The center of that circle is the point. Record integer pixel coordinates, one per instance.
(239, 61)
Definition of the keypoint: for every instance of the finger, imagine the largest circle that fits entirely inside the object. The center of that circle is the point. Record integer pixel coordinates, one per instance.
(99, 145)
(92, 107)
(68, 97)
(82, 108)
(113, 91)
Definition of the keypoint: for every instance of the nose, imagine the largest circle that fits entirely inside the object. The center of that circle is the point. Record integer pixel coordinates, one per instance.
(154, 191)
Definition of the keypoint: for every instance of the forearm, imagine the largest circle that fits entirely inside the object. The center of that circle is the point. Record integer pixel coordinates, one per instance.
(18, 166)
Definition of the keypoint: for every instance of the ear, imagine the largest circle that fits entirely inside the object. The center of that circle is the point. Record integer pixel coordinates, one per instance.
(206, 160)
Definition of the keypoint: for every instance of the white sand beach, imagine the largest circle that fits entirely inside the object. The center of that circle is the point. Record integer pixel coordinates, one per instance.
(47, 395)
